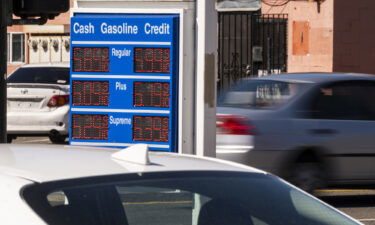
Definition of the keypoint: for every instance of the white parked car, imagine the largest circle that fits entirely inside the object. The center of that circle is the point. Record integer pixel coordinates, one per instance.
(70, 185)
(315, 129)
(38, 101)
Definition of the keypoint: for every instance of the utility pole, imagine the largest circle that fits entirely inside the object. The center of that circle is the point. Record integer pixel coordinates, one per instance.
(4, 21)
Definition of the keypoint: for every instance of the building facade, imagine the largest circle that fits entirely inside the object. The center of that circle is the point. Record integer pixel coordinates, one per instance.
(328, 35)
(321, 35)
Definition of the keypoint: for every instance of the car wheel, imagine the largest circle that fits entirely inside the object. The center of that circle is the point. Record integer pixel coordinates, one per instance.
(57, 138)
(308, 176)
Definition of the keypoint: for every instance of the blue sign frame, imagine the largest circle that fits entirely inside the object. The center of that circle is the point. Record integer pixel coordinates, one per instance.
(120, 34)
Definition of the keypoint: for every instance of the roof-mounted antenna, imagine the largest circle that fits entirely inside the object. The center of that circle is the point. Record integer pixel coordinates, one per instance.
(137, 153)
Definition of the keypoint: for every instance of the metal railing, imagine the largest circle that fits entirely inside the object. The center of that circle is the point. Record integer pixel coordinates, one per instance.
(250, 44)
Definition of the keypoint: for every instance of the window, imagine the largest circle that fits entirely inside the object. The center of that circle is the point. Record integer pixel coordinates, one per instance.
(16, 47)
(349, 100)
(43, 75)
(260, 94)
(183, 198)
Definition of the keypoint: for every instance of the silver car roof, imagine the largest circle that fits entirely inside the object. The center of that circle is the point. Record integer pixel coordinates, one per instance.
(42, 163)
(316, 77)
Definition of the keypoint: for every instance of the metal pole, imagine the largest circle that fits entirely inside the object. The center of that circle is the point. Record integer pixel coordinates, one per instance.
(206, 56)
(3, 72)
(269, 55)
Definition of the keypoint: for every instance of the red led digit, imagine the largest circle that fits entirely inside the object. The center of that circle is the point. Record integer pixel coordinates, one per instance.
(165, 128)
(105, 63)
(158, 60)
(147, 128)
(165, 100)
(104, 128)
(156, 95)
(156, 129)
(87, 59)
(166, 55)
(96, 60)
(77, 96)
(137, 128)
(148, 132)
(137, 94)
(77, 59)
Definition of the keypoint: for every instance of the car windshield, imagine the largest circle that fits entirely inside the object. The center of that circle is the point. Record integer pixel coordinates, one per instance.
(259, 94)
(185, 198)
(40, 75)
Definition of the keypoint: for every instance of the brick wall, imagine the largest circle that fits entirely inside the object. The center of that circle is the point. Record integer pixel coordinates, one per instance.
(310, 34)
(354, 36)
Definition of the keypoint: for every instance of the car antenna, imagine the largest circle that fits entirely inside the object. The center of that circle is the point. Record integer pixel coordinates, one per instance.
(137, 153)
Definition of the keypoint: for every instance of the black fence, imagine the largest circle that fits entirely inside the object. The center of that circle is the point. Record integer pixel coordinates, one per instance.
(250, 44)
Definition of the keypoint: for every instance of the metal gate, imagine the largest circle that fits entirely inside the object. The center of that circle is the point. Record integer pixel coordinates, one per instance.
(250, 44)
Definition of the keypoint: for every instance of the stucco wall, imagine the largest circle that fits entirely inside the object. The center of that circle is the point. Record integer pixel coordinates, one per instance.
(310, 34)
(354, 29)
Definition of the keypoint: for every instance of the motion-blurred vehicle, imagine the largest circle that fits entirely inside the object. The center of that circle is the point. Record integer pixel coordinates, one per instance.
(38, 101)
(68, 185)
(313, 129)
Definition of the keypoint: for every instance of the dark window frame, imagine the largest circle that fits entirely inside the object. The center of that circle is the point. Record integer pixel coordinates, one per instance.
(11, 47)
(237, 188)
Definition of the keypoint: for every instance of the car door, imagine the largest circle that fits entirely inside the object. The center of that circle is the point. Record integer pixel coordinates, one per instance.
(345, 117)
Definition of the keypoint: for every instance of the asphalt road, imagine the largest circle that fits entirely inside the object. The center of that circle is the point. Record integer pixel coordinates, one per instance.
(33, 140)
(360, 204)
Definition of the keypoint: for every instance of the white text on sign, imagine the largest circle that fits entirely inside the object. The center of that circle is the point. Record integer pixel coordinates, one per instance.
(123, 28)
(119, 53)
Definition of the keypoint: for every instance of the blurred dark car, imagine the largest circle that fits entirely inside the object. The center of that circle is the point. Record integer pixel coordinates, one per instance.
(314, 129)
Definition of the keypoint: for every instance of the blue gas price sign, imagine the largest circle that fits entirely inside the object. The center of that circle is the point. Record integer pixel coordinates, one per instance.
(124, 73)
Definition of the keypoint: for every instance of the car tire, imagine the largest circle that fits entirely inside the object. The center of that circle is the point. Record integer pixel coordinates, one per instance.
(57, 138)
(308, 176)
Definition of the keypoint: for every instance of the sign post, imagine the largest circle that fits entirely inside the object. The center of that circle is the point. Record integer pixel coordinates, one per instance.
(206, 78)
(3, 71)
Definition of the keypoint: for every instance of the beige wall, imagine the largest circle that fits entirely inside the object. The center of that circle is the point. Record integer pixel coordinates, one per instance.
(354, 28)
(310, 35)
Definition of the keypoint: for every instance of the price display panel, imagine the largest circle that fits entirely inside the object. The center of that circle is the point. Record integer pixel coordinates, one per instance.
(151, 60)
(90, 59)
(90, 126)
(90, 93)
(151, 94)
(151, 128)
(124, 76)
